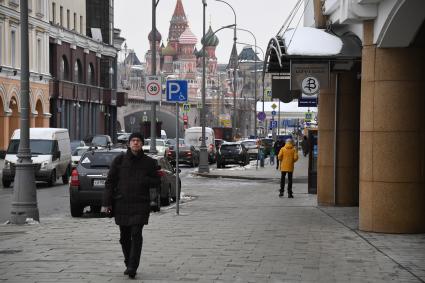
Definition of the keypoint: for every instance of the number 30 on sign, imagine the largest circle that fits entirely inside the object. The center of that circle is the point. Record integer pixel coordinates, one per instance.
(153, 88)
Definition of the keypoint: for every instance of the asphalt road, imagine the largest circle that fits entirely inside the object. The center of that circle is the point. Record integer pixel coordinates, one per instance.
(54, 201)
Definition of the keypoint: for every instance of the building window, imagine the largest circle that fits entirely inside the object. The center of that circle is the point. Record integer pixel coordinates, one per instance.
(61, 16)
(1, 43)
(81, 24)
(13, 48)
(40, 8)
(78, 72)
(54, 13)
(64, 69)
(75, 21)
(29, 6)
(68, 19)
(90, 75)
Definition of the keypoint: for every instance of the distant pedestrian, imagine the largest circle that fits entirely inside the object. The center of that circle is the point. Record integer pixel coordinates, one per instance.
(305, 146)
(288, 155)
(272, 155)
(277, 146)
(127, 197)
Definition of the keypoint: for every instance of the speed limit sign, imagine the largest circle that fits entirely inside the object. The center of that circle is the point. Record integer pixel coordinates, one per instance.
(153, 88)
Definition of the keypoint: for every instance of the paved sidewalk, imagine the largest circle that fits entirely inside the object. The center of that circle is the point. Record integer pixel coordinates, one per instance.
(229, 231)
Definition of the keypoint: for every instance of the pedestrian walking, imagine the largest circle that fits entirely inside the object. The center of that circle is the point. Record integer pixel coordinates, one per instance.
(272, 155)
(288, 155)
(277, 146)
(305, 146)
(127, 198)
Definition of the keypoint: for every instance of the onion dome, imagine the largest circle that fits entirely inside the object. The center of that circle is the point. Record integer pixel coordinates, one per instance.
(210, 38)
(158, 36)
(169, 50)
(187, 37)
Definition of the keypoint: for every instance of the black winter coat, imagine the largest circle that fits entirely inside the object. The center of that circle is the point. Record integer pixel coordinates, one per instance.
(127, 187)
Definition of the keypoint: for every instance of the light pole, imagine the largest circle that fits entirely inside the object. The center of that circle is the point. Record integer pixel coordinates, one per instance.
(203, 157)
(234, 69)
(24, 201)
(152, 148)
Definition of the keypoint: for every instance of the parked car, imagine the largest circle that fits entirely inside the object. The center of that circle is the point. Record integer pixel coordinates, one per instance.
(76, 143)
(123, 138)
(88, 181)
(98, 140)
(187, 154)
(252, 148)
(232, 153)
(51, 155)
(161, 147)
(76, 155)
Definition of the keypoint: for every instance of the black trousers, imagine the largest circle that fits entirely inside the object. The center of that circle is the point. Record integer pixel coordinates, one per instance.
(282, 182)
(131, 240)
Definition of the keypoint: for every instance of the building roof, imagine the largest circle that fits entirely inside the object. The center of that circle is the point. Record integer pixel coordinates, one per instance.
(132, 59)
(179, 15)
(248, 54)
(187, 37)
(233, 61)
(210, 38)
(158, 35)
(169, 50)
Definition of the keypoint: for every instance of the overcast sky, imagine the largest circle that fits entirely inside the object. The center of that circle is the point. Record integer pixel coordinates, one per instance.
(264, 18)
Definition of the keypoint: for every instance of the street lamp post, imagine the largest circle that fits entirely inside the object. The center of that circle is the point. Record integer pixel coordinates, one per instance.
(203, 157)
(24, 201)
(152, 148)
(234, 69)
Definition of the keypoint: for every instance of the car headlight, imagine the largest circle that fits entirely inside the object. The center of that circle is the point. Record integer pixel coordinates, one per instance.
(6, 164)
(44, 164)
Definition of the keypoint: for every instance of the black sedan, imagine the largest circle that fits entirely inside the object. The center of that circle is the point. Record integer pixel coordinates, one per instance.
(88, 181)
(187, 155)
(232, 153)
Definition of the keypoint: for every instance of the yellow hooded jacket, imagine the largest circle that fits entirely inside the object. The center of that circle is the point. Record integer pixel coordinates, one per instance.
(288, 155)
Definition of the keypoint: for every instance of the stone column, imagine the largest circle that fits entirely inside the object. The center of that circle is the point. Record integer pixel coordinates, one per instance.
(392, 139)
(346, 191)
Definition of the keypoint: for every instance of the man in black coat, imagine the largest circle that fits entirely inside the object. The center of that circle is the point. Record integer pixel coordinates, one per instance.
(127, 196)
(277, 146)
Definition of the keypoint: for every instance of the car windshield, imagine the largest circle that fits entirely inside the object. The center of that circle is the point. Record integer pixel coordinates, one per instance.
(173, 141)
(79, 151)
(158, 142)
(37, 146)
(249, 143)
(100, 159)
(230, 147)
(100, 140)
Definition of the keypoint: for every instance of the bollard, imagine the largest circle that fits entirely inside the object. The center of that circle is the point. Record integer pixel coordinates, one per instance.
(261, 157)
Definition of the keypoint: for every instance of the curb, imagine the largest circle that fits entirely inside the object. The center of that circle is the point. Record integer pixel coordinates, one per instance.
(208, 175)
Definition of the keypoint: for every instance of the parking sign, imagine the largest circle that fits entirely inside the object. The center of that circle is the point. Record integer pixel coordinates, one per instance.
(177, 90)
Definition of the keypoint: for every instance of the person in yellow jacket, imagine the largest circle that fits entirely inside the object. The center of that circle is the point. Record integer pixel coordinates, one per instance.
(288, 155)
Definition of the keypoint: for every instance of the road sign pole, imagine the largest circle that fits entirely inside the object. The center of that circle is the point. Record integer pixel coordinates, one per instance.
(177, 160)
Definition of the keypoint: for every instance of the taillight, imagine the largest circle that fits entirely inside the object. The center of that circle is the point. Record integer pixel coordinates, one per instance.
(189, 153)
(170, 153)
(74, 178)
(160, 173)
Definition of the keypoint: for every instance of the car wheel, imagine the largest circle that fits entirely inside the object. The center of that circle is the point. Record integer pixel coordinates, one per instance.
(166, 200)
(76, 210)
(6, 184)
(65, 177)
(52, 180)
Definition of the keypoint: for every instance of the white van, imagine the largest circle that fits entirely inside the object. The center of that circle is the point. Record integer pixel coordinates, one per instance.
(51, 153)
(193, 136)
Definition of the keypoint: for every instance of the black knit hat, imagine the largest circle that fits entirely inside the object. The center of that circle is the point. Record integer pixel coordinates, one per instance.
(136, 135)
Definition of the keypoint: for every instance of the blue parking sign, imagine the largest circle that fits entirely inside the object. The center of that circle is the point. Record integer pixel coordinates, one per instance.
(177, 90)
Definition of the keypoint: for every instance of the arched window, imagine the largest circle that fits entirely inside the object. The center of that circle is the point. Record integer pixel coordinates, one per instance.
(91, 79)
(64, 69)
(78, 72)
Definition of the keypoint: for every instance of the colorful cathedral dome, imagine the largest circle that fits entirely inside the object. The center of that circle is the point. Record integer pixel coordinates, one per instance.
(210, 38)
(187, 37)
(168, 51)
(158, 36)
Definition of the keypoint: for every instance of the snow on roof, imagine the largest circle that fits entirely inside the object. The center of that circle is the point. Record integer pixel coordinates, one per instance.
(305, 41)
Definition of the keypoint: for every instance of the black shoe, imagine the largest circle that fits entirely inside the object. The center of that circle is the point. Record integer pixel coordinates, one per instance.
(290, 196)
(132, 275)
(280, 194)
(126, 271)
